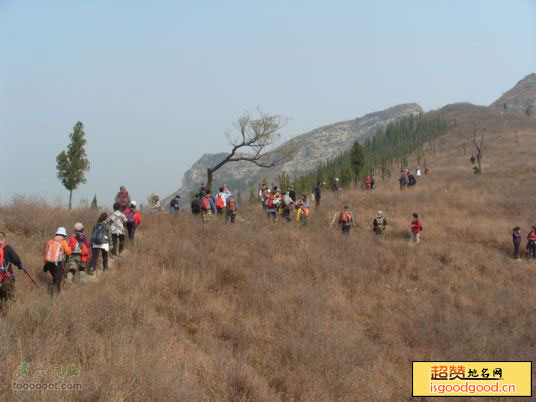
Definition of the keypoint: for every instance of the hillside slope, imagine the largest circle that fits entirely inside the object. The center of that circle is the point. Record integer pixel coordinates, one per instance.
(522, 97)
(313, 147)
(267, 312)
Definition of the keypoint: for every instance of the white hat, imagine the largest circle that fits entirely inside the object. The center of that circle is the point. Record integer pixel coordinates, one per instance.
(61, 231)
(78, 227)
(336, 178)
(133, 203)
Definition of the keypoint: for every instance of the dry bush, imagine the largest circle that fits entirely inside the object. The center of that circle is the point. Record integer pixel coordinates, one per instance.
(258, 311)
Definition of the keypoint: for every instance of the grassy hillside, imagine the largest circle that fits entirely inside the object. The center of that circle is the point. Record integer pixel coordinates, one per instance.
(266, 312)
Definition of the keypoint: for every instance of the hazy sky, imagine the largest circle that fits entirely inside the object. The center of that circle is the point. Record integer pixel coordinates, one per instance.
(157, 84)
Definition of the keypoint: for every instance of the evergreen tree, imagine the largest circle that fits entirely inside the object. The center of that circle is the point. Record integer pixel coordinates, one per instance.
(94, 204)
(357, 159)
(73, 164)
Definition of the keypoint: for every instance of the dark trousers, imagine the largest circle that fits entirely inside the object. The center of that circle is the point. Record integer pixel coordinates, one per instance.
(95, 259)
(56, 270)
(516, 250)
(286, 214)
(531, 247)
(346, 227)
(7, 290)
(219, 211)
(121, 238)
(230, 216)
(317, 201)
(131, 227)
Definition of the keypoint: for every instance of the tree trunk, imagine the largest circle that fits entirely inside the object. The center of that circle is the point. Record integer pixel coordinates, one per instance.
(209, 178)
(70, 199)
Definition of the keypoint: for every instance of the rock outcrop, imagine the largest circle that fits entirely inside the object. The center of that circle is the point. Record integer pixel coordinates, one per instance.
(521, 97)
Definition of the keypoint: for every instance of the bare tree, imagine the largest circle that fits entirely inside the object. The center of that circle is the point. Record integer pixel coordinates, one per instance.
(480, 147)
(253, 140)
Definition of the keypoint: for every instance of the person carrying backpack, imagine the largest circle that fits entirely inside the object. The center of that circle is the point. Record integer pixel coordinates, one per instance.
(174, 205)
(416, 229)
(100, 243)
(133, 220)
(269, 205)
(288, 204)
(368, 183)
(380, 223)
(411, 181)
(55, 253)
(117, 224)
(123, 198)
(531, 242)
(336, 187)
(77, 261)
(8, 257)
(220, 201)
(346, 220)
(403, 180)
(195, 205)
(208, 206)
(317, 194)
(303, 210)
(231, 207)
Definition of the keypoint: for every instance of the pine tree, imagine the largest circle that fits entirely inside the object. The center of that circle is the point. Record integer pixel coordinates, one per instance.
(357, 158)
(94, 204)
(73, 164)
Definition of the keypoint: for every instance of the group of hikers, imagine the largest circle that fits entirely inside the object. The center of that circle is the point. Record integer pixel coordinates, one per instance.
(531, 243)
(206, 205)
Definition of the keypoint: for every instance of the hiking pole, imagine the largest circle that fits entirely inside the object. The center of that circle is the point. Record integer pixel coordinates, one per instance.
(30, 276)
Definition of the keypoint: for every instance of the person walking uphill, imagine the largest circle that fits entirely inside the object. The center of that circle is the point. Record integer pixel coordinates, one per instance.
(117, 228)
(122, 198)
(516, 238)
(77, 261)
(100, 243)
(531, 242)
(346, 220)
(8, 256)
(231, 208)
(55, 253)
(416, 229)
(208, 206)
(379, 224)
(317, 193)
(133, 220)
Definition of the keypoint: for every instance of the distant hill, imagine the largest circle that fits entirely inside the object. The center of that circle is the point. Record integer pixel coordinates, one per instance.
(316, 146)
(522, 97)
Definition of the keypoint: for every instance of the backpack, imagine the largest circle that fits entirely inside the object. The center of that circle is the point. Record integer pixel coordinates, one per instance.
(345, 217)
(219, 202)
(269, 202)
(98, 236)
(2, 257)
(205, 204)
(131, 216)
(196, 206)
(231, 206)
(379, 226)
(54, 251)
(305, 212)
(75, 244)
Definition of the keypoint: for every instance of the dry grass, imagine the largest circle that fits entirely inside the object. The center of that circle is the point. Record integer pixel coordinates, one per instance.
(266, 312)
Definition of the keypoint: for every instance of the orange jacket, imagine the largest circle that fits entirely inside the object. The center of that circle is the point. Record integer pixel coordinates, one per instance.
(137, 216)
(57, 249)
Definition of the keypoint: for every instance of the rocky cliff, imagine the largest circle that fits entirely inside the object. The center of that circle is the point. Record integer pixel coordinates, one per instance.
(521, 97)
(311, 148)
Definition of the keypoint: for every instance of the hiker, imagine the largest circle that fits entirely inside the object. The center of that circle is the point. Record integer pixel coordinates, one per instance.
(416, 228)
(346, 220)
(100, 243)
(380, 223)
(155, 203)
(208, 206)
(117, 227)
(231, 206)
(220, 201)
(336, 187)
(418, 171)
(123, 198)
(288, 204)
(79, 257)
(269, 205)
(292, 193)
(403, 180)
(516, 238)
(372, 182)
(133, 220)
(174, 205)
(302, 206)
(55, 253)
(317, 194)
(195, 205)
(411, 181)
(531, 242)
(368, 183)
(203, 188)
(8, 256)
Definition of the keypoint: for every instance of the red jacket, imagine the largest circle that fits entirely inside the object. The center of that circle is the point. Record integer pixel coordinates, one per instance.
(137, 216)
(416, 226)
